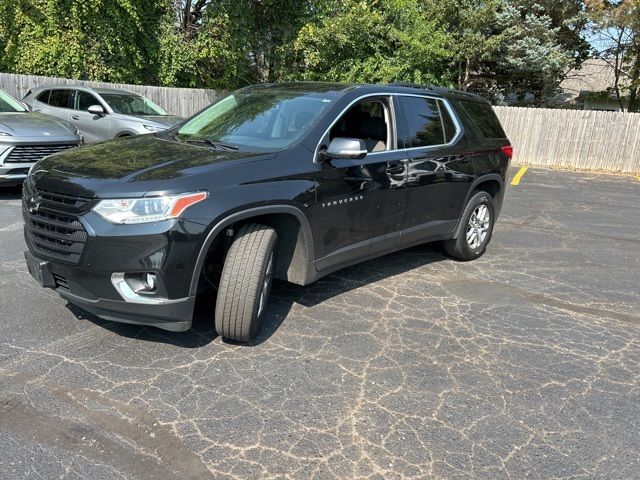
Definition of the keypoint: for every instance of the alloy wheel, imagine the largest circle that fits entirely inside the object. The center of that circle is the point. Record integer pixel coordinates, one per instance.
(478, 227)
(266, 285)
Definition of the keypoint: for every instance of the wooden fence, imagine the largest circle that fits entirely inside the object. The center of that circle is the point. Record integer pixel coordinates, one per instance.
(576, 139)
(177, 101)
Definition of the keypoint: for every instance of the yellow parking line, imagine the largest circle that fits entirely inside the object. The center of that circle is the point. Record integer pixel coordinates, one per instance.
(519, 175)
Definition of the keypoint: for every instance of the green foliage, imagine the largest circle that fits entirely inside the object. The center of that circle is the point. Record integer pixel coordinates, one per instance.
(495, 47)
(382, 41)
(617, 23)
(111, 40)
(533, 60)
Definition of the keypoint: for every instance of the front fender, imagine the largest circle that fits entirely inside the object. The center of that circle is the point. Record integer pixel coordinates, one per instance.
(219, 226)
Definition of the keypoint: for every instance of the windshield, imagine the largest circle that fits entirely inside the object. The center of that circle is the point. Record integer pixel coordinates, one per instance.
(9, 105)
(262, 120)
(131, 104)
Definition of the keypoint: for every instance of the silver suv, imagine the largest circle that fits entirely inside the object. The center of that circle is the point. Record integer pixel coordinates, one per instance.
(100, 113)
(26, 137)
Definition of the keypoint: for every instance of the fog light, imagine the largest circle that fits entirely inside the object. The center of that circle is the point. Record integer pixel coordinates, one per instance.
(150, 281)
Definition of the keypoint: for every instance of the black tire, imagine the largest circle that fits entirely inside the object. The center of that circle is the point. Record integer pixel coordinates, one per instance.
(252, 253)
(459, 248)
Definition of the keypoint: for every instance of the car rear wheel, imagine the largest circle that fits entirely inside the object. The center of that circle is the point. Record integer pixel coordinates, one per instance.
(245, 284)
(475, 229)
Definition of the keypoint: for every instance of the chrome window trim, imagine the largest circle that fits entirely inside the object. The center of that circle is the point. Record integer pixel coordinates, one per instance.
(351, 104)
(456, 121)
(445, 101)
(61, 87)
(94, 95)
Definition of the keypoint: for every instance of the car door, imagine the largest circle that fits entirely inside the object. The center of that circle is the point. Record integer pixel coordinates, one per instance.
(59, 103)
(440, 171)
(360, 203)
(41, 101)
(94, 128)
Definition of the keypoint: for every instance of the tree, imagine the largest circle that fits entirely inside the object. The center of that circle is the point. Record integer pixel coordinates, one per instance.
(231, 43)
(520, 49)
(617, 23)
(516, 48)
(379, 41)
(533, 62)
(109, 40)
(200, 47)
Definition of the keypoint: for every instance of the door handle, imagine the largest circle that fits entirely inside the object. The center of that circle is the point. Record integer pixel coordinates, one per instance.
(75, 117)
(395, 169)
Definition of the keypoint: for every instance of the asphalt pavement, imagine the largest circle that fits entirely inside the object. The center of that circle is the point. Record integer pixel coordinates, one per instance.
(523, 364)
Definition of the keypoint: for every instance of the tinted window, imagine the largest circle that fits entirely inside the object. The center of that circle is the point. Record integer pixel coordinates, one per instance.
(365, 121)
(60, 98)
(84, 100)
(131, 104)
(44, 96)
(447, 123)
(485, 119)
(9, 104)
(424, 125)
(258, 119)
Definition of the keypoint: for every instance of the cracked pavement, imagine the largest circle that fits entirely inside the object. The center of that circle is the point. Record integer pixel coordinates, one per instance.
(523, 364)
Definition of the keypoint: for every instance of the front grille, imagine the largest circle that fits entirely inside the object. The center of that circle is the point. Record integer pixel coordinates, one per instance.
(52, 230)
(17, 171)
(33, 153)
(62, 201)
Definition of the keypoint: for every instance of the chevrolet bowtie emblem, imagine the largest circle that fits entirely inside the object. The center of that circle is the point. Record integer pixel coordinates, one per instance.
(34, 204)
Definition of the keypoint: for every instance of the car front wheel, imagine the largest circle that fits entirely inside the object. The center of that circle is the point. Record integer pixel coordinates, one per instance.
(245, 284)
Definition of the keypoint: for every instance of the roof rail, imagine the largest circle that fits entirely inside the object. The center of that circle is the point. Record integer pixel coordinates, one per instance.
(433, 88)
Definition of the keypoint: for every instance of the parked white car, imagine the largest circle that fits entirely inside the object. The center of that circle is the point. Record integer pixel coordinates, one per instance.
(100, 113)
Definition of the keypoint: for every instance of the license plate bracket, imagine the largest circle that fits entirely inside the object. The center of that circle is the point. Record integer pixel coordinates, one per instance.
(40, 270)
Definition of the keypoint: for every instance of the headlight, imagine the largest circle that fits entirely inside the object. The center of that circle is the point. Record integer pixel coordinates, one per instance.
(145, 210)
(153, 128)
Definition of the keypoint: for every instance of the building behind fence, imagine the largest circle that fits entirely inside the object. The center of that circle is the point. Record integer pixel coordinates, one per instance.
(577, 139)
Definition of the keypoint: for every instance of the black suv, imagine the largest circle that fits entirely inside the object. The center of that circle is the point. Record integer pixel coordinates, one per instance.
(287, 181)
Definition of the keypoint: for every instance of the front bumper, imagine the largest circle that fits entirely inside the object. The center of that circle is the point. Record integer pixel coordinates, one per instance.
(166, 249)
(173, 315)
(168, 314)
(12, 174)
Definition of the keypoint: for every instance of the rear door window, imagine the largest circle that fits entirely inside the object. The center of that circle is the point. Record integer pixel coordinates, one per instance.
(44, 96)
(61, 98)
(427, 123)
(485, 119)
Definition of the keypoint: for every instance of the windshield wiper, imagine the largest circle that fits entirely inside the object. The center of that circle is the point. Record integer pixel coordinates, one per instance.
(217, 144)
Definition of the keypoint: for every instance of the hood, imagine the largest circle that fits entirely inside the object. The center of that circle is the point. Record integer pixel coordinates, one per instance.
(33, 124)
(129, 166)
(164, 120)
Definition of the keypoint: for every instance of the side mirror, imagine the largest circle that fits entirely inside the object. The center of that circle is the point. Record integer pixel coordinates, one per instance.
(96, 110)
(346, 148)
